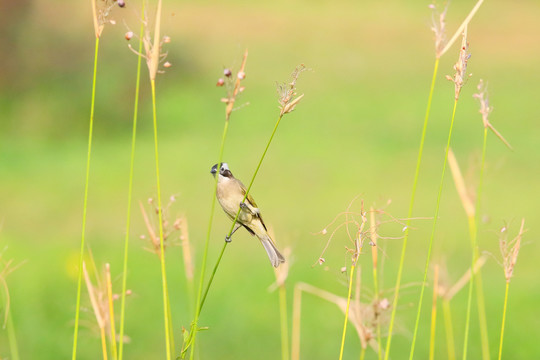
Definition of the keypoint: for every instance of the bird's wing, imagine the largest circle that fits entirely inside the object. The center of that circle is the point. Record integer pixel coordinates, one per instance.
(251, 202)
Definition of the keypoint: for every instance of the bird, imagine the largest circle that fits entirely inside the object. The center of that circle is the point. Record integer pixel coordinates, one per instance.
(230, 193)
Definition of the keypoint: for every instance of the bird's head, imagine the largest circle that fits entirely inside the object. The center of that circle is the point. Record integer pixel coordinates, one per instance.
(223, 170)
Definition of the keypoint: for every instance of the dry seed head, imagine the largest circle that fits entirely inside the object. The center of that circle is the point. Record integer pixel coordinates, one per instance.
(482, 97)
(101, 10)
(439, 28)
(153, 48)
(460, 77)
(288, 98)
(485, 110)
(233, 86)
(129, 35)
(510, 250)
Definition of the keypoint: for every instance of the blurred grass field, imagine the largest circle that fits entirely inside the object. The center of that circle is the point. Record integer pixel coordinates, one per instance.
(356, 132)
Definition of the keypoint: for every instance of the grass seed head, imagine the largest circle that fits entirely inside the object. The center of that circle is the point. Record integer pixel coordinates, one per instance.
(460, 77)
(288, 97)
(510, 250)
(486, 109)
(438, 20)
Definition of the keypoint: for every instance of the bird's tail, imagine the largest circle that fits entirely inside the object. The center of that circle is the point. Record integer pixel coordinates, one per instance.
(273, 254)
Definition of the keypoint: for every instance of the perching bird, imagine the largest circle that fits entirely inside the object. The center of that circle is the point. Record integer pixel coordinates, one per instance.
(230, 194)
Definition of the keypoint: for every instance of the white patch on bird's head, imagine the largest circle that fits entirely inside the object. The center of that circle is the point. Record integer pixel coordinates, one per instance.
(224, 171)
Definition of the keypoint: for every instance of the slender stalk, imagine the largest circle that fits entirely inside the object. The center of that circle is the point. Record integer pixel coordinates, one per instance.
(411, 205)
(504, 318)
(130, 192)
(166, 316)
(12, 338)
(169, 316)
(256, 171)
(85, 204)
(435, 218)
(346, 312)
(374, 257)
(200, 298)
(434, 314)
(284, 322)
(111, 310)
(450, 346)
(103, 342)
(362, 353)
(297, 311)
(473, 229)
(482, 319)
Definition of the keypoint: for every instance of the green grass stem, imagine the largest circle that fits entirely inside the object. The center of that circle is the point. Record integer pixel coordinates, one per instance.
(200, 298)
(473, 230)
(130, 192)
(411, 206)
(12, 337)
(449, 330)
(503, 319)
(374, 257)
(363, 353)
(435, 218)
(479, 286)
(346, 312)
(434, 314)
(284, 322)
(166, 307)
(256, 171)
(108, 280)
(85, 204)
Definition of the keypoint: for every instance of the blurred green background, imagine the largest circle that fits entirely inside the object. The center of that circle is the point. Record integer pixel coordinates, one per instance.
(355, 133)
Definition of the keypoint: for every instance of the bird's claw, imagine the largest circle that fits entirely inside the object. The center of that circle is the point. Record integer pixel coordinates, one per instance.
(228, 239)
(243, 205)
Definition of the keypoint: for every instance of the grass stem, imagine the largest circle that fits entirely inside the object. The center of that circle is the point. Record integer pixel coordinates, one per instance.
(449, 330)
(103, 342)
(296, 315)
(434, 314)
(166, 315)
(130, 192)
(200, 297)
(434, 227)
(12, 338)
(85, 204)
(255, 173)
(347, 312)
(374, 256)
(503, 319)
(284, 322)
(473, 230)
(111, 311)
(411, 206)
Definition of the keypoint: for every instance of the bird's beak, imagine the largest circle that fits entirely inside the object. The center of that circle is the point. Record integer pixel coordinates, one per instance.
(214, 170)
